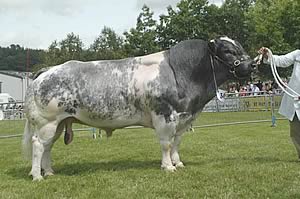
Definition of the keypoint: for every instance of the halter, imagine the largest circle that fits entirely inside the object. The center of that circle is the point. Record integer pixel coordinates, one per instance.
(232, 70)
(232, 67)
(219, 96)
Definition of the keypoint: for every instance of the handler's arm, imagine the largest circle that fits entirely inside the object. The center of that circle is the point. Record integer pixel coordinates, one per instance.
(285, 60)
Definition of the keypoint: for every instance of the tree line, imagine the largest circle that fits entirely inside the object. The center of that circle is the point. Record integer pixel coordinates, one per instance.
(254, 23)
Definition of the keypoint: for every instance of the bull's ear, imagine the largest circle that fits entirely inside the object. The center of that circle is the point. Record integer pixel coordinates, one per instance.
(212, 46)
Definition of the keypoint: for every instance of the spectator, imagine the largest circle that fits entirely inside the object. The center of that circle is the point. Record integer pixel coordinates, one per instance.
(259, 85)
(255, 90)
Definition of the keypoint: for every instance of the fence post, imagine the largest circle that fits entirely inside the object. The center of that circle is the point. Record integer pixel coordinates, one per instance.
(217, 104)
(273, 110)
(94, 133)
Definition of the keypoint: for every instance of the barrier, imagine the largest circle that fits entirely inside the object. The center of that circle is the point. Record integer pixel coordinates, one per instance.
(236, 102)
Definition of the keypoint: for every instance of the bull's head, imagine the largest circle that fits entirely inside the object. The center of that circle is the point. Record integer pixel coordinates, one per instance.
(232, 54)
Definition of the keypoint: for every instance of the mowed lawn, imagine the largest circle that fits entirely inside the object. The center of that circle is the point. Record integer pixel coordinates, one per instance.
(237, 161)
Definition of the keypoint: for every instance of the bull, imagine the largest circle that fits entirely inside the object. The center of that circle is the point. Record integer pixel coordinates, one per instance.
(164, 91)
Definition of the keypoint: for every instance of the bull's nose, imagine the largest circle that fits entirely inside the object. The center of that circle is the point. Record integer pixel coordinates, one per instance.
(253, 65)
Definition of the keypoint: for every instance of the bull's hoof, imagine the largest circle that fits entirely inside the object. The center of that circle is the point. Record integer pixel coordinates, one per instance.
(179, 165)
(169, 168)
(30, 173)
(49, 173)
(37, 178)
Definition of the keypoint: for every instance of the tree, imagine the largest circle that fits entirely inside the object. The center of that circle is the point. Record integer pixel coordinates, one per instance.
(52, 55)
(71, 47)
(186, 21)
(231, 20)
(16, 58)
(271, 29)
(108, 45)
(142, 39)
(290, 23)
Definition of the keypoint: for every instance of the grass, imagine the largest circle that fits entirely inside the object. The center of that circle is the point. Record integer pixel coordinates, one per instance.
(241, 161)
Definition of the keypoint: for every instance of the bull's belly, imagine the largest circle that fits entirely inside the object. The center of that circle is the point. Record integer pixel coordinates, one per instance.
(113, 120)
(101, 118)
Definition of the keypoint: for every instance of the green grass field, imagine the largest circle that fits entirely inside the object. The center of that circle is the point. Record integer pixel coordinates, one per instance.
(240, 161)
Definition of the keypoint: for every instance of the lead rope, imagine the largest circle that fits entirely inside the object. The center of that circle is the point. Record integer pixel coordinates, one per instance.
(219, 96)
(288, 90)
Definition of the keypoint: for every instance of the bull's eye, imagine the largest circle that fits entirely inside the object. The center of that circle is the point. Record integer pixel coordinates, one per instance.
(231, 52)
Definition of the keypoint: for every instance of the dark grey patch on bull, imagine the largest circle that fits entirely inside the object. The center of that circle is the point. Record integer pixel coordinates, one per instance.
(94, 87)
(138, 104)
(185, 79)
(69, 104)
(105, 93)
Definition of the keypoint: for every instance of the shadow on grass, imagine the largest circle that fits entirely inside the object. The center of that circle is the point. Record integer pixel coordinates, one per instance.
(89, 167)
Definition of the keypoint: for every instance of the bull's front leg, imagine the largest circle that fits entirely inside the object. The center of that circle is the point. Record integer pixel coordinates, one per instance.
(165, 132)
(166, 162)
(175, 152)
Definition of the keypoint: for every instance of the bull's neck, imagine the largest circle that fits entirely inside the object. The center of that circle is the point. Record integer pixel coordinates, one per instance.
(202, 88)
(218, 75)
(208, 73)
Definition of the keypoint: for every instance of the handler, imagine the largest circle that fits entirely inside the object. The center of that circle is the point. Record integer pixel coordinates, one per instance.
(288, 106)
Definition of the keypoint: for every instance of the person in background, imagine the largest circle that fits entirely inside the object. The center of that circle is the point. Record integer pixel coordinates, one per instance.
(289, 107)
(259, 85)
(243, 91)
(255, 90)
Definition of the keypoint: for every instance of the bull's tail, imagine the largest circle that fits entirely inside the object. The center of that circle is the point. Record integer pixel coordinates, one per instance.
(26, 142)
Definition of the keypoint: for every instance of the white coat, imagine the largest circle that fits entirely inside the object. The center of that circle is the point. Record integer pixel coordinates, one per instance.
(289, 107)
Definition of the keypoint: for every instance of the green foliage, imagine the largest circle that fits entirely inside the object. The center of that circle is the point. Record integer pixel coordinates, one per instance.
(290, 23)
(70, 48)
(187, 21)
(141, 40)
(108, 45)
(273, 28)
(232, 22)
(18, 58)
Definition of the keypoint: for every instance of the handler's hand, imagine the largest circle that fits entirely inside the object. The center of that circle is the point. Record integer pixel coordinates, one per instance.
(264, 51)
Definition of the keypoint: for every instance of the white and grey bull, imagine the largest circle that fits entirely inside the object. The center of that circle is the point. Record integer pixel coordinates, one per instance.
(164, 91)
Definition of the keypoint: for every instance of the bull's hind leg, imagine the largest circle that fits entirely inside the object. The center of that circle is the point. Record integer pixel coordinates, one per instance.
(165, 132)
(37, 153)
(42, 143)
(46, 158)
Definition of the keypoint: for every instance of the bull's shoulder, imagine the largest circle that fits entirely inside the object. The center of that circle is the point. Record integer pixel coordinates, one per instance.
(151, 59)
(39, 72)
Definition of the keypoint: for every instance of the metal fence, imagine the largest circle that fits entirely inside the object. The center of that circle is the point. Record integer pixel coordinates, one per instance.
(11, 111)
(249, 101)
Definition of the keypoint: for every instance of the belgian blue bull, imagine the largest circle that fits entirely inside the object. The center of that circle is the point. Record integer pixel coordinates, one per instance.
(165, 91)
